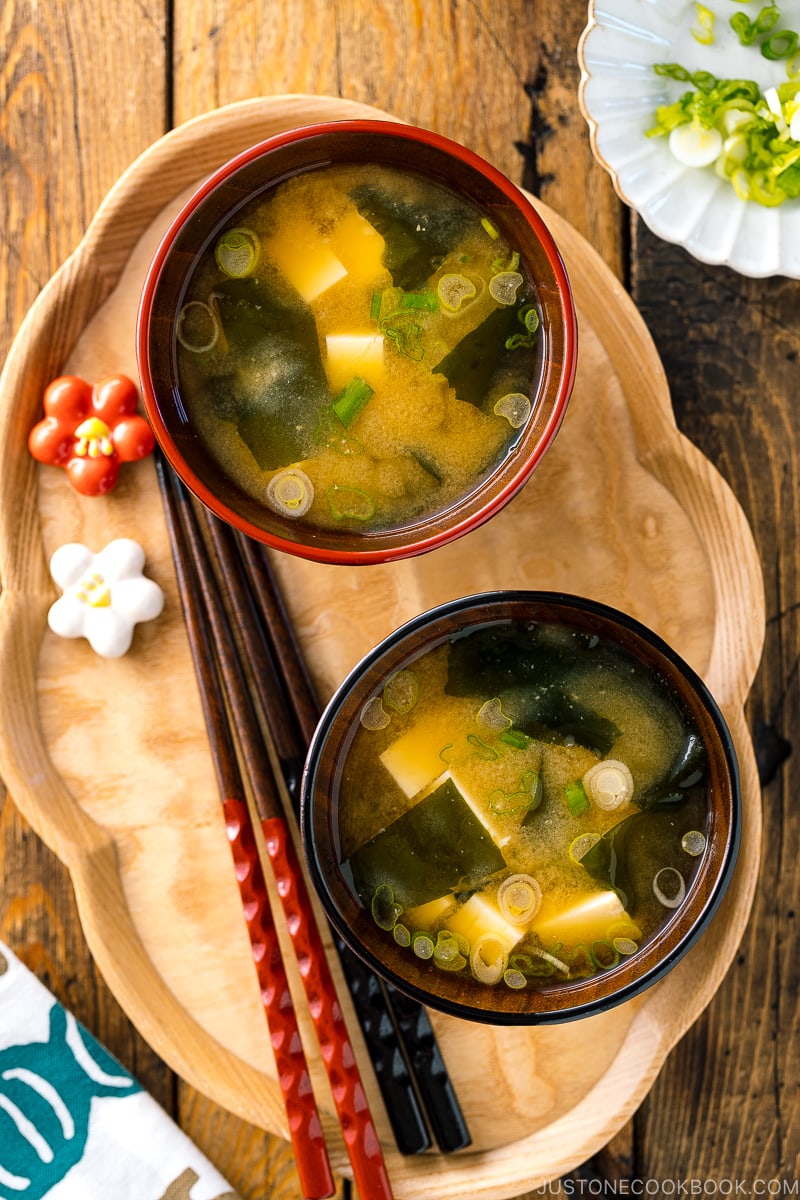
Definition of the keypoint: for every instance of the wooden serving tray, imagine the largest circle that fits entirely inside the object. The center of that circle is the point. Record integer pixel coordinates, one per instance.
(109, 763)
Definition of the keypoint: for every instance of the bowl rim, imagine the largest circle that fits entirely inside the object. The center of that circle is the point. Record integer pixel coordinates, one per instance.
(441, 533)
(391, 643)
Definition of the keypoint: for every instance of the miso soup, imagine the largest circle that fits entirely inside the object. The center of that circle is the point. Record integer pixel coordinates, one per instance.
(525, 804)
(358, 348)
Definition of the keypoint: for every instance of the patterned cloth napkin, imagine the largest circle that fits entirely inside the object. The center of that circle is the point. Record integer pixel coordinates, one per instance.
(74, 1125)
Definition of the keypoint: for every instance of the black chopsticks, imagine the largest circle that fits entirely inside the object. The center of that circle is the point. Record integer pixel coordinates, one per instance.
(227, 705)
(234, 574)
(414, 1072)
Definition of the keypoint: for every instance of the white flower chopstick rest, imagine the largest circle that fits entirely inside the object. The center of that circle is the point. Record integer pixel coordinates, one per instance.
(105, 595)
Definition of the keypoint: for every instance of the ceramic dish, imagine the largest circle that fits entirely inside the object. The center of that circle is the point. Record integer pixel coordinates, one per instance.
(619, 94)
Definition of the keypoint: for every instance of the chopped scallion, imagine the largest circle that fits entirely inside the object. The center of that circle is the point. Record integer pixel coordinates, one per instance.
(492, 716)
(352, 400)
(237, 252)
(604, 955)
(514, 406)
(374, 715)
(401, 691)
(504, 287)
(349, 503)
(703, 32)
(422, 944)
(425, 301)
(529, 319)
(577, 800)
(197, 328)
(290, 492)
(385, 911)
(515, 737)
(519, 898)
(453, 290)
(489, 227)
(375, 306)
(669, 887)
(484, 751)
(779, 45)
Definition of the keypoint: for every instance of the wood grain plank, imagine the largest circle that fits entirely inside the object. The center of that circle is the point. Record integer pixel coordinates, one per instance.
(726, 1104)
(58, 159)
(82, 93)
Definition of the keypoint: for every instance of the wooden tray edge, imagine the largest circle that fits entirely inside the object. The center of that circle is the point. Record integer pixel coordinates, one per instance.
(70, 839)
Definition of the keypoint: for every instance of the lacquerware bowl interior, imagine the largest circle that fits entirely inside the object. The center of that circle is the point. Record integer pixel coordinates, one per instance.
(459, 994)
(255, 172)
(619, 95)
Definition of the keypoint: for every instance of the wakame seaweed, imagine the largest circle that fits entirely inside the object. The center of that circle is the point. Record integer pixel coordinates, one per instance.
(415, 236)
(627, 857)
(442, 847)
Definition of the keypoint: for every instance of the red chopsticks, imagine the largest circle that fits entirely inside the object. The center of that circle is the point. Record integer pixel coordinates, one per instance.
(224, 687)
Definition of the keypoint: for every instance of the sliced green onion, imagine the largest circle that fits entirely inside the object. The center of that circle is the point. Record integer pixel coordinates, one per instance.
(444, 750)
(604, 955)
(374, 715)
(402, 935)
(422, 944)
(385, 910)
(779, 45)
(290, 492)
(744, 28)
(582, 844)
(514, 406)
(375, 306)
(672, 71)
(609, 784)
(767, 18)
(505, 804)
(514, 979)
(581, 963)
(352, 400)
(693, 842)
(453, 290)
(515, 738)
(237, 252)
(489, 227)
(669, 887)
(484, 751)
(401, 691)
(203, 341)
(511, 265)
(492, 716)
(624, 945)
(425, 301)
(703, 32)
(407, 337)
(488, 960)
(529, 319)
(348, 503)
(447, 952)
(555, 964)
(577, 800)
(504, 287)
(519, 898)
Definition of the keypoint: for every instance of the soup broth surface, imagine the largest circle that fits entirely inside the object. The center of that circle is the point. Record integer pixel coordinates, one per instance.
(526, 804)
(359, 347)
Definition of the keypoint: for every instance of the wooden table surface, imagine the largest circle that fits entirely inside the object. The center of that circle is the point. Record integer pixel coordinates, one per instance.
(85, 88)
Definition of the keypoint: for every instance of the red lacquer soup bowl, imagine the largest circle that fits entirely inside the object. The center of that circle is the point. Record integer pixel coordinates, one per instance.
(356, 341)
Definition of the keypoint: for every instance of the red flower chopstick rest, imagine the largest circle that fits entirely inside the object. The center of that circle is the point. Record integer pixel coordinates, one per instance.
(90, 430)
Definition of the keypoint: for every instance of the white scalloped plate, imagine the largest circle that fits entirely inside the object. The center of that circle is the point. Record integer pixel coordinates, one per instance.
(619, 94)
